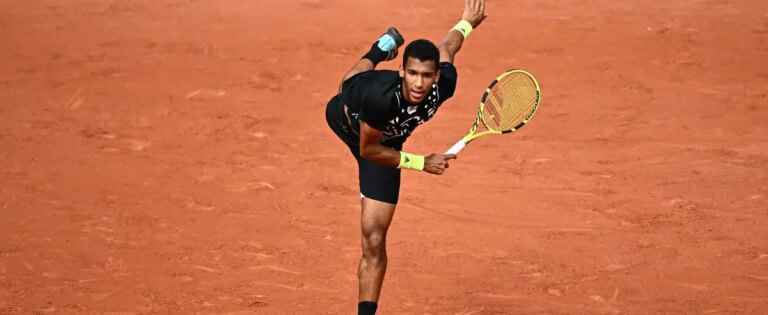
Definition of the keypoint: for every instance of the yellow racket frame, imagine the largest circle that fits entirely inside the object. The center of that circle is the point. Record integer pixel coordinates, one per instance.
(473, 132)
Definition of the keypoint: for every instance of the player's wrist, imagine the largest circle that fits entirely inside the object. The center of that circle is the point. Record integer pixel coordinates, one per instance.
(411, 161)
(464, 28)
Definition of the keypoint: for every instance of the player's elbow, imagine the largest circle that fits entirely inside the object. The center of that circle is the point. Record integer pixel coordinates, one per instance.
(371, 152)
(367, 152)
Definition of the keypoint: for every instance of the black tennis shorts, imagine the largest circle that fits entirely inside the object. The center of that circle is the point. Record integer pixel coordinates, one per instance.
(377, 182)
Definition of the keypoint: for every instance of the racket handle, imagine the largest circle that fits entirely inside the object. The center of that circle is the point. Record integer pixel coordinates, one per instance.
(456, 148)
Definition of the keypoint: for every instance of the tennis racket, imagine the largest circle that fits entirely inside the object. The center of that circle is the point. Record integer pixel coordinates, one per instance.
(506, 106)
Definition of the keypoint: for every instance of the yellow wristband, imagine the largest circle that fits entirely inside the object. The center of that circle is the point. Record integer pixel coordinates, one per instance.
(411, 161)
(464, 28)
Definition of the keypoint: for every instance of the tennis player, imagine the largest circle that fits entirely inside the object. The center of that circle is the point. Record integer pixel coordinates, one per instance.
(375, 112)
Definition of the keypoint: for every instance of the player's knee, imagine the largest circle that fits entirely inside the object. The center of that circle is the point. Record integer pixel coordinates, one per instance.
(374, 246)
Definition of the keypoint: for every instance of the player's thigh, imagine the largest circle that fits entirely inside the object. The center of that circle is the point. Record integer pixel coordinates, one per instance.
(379, 182)
(380, 188)
(376, 217)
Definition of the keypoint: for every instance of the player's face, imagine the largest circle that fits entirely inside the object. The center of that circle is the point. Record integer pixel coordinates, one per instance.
(418, 78)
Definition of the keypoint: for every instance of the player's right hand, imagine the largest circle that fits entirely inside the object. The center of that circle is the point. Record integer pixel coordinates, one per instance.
(437, 163)
(474, 12)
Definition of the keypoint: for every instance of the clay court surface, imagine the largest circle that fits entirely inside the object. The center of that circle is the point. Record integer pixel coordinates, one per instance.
(171, 157)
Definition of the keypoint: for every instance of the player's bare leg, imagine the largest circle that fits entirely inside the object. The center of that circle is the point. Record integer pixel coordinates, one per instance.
(376, 217)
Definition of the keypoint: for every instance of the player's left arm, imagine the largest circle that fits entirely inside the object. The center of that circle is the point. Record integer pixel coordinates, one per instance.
(473, 16)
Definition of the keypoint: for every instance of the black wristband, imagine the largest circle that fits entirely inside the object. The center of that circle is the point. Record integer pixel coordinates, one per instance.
(376, 55)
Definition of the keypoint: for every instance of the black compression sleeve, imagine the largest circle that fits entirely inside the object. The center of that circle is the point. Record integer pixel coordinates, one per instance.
(376, 55)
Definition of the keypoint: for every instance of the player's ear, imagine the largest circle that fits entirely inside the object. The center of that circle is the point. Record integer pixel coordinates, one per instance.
(402, 72)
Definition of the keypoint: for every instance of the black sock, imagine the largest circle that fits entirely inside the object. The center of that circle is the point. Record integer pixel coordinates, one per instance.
(366, 308)
(376, 55)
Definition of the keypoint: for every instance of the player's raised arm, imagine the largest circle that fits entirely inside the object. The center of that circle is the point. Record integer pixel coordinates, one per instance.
(474, 14)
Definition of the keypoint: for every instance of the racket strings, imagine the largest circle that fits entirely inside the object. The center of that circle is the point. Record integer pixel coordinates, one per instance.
(510, 102)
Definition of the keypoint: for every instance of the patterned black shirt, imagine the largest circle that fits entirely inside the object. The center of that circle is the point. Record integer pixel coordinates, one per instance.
(375, 97)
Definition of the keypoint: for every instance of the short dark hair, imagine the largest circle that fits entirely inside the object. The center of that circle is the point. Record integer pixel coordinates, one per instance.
(423, 50)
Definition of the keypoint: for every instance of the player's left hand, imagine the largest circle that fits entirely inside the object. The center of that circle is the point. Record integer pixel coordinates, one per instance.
(474, 12)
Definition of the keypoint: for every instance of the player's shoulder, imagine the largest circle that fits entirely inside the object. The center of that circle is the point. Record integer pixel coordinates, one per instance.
(446, 64)
(447, 68)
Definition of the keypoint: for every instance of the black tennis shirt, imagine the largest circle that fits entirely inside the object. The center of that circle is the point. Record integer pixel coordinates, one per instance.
(375, 97)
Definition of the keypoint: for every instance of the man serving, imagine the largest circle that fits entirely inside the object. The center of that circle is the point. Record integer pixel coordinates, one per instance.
(375, 112)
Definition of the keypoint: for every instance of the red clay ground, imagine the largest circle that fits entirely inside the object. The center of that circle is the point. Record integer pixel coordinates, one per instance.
(171, 156)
